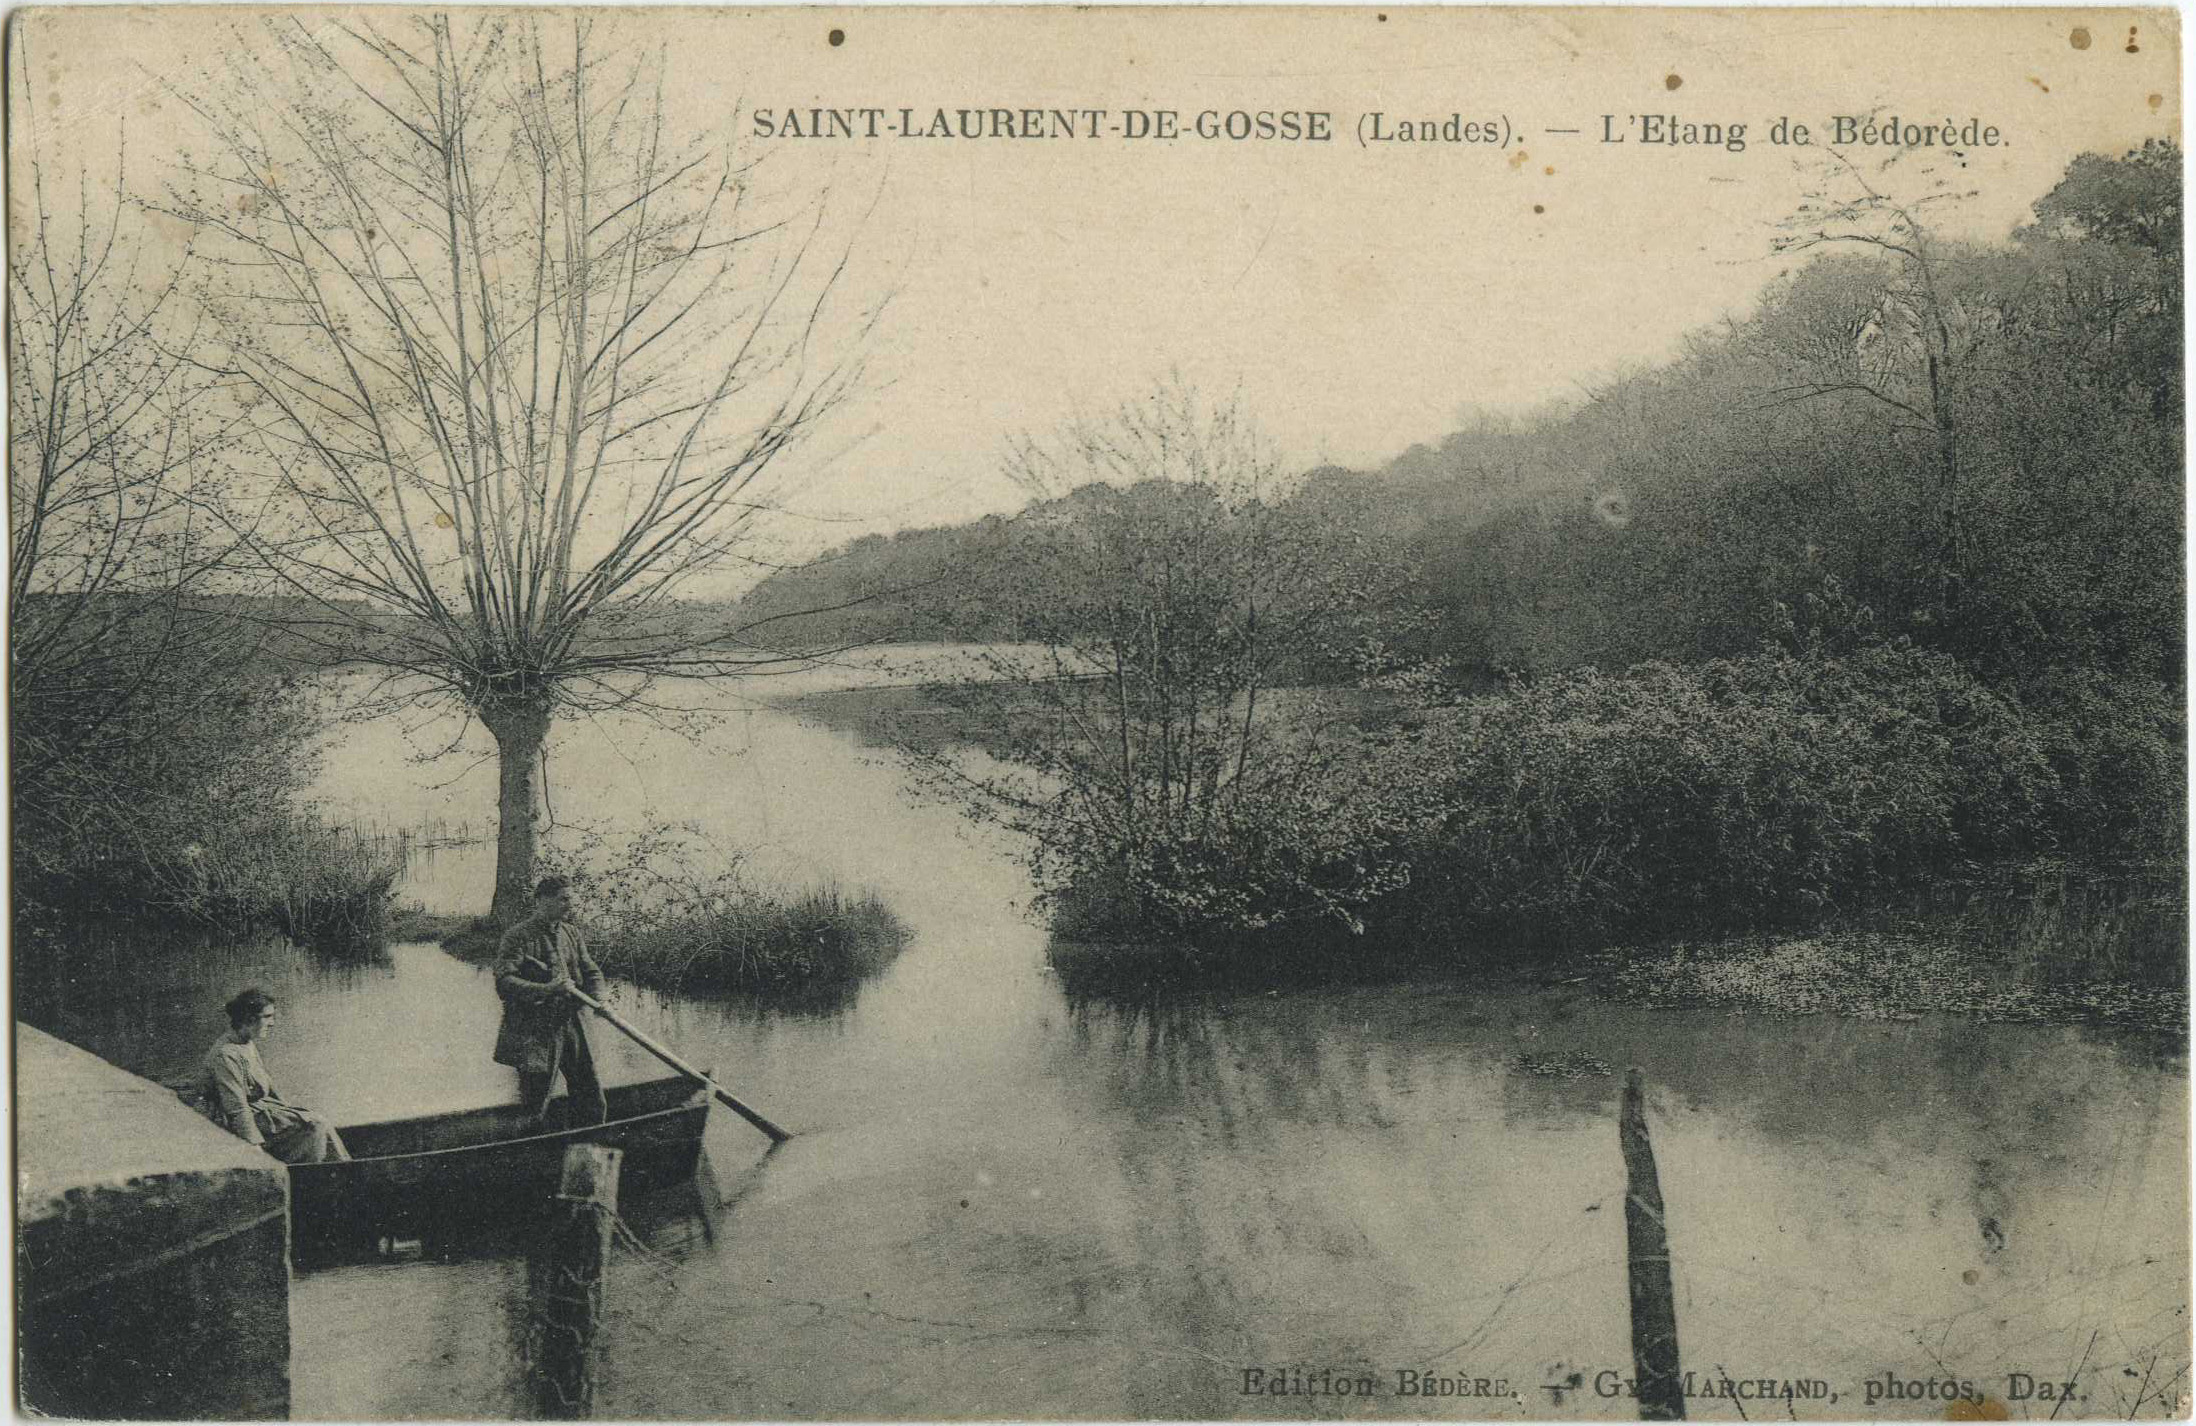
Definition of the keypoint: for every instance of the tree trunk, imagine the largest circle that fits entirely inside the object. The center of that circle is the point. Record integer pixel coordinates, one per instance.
(1951, 559)
(519, 733)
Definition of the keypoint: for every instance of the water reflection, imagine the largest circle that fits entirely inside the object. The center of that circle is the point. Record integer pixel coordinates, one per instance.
(826, 1001)
(152, 1001)
(1884, 1193)
(1004, 1200)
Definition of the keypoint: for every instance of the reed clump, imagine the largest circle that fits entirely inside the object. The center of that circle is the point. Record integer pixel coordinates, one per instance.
(767, 939)
(674, 911)
(317, 884)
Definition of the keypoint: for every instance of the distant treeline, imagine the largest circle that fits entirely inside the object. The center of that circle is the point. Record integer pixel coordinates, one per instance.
(279, 633)
(908, 587)
(1977, 448)
(292, 635)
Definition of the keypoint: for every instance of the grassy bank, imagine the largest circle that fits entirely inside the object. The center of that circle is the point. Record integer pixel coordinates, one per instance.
(2045, 939)
(1889, 976)
(924, 717)
(317, 884)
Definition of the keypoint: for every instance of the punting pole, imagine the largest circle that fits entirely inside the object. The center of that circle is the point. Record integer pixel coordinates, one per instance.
(777, 1135)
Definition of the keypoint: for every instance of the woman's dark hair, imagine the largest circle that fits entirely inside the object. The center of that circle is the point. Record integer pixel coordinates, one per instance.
(549, 886)
(246, 1006)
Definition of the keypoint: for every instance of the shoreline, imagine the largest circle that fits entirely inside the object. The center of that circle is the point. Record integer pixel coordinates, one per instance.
(1866, 975)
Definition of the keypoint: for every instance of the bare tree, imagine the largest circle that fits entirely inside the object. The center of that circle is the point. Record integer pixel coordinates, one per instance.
(530, 360)
(118, 643)
(1161, 734)
(1901, 332)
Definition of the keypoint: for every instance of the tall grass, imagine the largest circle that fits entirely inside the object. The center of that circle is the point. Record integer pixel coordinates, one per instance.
(320, 885)
(316, 883)
(675, 909)
(331, 887)
(766, 940)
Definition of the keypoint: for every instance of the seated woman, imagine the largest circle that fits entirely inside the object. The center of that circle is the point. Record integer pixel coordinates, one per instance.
(243, 1100)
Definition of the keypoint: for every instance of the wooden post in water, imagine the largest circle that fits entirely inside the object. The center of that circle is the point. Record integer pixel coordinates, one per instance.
(1647, 1243)
(567, 1305)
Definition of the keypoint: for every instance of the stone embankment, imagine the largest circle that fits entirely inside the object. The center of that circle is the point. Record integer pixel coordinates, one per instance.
(152, 1250)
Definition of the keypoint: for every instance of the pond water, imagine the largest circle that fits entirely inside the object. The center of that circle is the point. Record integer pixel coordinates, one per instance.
(1007, 1203)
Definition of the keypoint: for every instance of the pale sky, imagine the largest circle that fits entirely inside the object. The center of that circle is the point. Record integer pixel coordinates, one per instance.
(1359, 296)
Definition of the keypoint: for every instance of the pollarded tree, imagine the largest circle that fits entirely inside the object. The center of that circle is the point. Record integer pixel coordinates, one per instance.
(531, 360)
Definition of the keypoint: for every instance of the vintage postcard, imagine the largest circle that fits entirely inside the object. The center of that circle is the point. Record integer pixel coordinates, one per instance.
(1126, 714)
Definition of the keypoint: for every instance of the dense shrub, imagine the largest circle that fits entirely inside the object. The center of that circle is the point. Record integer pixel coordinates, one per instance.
(2116, 749)
(1154, 743)
(1783, 789)
(1774, 789)
(1301, 851)
(167, 790)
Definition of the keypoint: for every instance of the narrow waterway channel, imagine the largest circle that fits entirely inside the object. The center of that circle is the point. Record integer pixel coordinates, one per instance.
(1004, 1203)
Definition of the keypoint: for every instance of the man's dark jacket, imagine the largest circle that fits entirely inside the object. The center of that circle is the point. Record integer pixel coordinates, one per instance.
(532, 955)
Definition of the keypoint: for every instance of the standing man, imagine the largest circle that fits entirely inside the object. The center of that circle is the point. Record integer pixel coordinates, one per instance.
(540, 962)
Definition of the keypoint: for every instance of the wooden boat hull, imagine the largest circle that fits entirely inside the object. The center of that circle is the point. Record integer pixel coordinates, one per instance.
(424, 1178)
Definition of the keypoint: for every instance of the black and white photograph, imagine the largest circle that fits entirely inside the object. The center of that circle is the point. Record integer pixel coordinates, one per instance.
(1098, 713)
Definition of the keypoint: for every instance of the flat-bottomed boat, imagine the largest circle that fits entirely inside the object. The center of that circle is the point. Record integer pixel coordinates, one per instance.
(424, 1177)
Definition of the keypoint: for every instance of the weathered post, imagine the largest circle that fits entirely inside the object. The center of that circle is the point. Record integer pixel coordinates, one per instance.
(567, 1304)
(1647, 1243)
